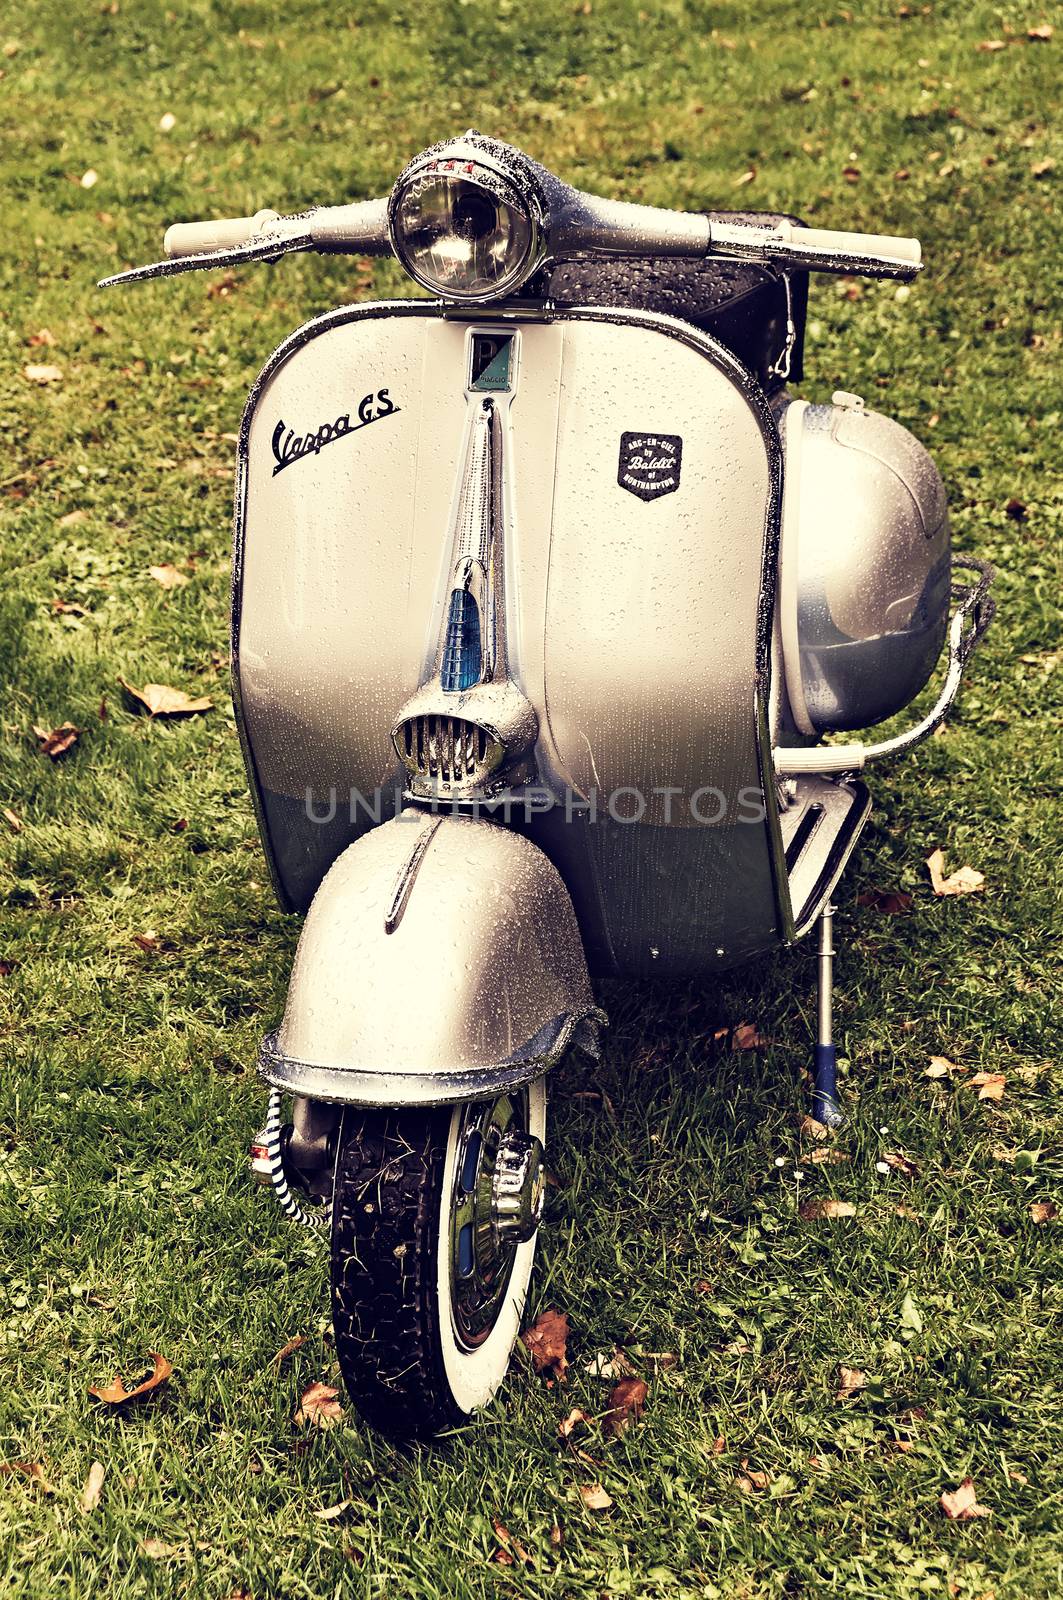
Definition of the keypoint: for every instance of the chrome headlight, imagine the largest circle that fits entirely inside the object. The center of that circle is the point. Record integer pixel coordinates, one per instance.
(464, 228)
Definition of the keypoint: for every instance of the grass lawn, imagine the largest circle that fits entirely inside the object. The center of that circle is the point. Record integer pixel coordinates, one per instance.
(143, 954)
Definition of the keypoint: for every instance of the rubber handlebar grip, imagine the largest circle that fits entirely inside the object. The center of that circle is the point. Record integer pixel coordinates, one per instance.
(859, 244)
(198, 238)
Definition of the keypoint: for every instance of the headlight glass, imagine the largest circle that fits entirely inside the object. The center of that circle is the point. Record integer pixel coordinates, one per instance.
(463, 230)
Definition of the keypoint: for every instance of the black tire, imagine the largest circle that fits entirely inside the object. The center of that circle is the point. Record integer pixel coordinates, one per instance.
(385, 1228)
(388, 1281)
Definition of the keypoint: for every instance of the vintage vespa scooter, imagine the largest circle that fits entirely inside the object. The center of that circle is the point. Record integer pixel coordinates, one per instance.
(545, 594)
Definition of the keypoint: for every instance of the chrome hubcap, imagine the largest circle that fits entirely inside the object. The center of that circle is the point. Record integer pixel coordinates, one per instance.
(495, 1206)
(518, 1188)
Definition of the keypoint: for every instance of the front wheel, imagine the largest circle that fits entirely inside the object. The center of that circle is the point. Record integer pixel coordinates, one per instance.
(433, 1236)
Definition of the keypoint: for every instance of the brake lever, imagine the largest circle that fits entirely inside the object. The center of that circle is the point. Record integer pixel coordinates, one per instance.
(265, 249)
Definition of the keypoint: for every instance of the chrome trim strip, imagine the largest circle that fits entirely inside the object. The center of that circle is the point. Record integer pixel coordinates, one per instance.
(350, 1086)
(405, 881)
(793, 422)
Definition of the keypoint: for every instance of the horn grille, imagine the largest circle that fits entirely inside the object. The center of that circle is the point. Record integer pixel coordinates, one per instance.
(446, 755)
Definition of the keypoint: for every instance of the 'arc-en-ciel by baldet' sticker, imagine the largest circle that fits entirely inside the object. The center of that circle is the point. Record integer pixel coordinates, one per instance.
(290, 447)
(649, 464)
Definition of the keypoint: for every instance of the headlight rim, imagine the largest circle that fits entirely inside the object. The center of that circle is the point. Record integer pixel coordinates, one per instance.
(514, 174)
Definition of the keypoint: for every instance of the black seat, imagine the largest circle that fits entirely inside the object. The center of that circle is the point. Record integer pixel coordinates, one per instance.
(739, 303)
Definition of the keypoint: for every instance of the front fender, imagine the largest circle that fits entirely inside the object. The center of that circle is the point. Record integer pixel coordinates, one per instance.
(440, 961)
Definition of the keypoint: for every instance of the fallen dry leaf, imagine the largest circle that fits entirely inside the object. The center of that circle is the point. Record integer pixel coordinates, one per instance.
(616, 1365)
(1016, 1475)
(745, 177)
(901, 1164)
(850, 1381)
(73, 519)
(568, 1425)
(816, 1210)
(546, 1342)
(890, 902)
(162, 701)
(703, 1286)
(510, 1544)
(751, 1480)
(809, 1128)
(992, 45)
(27, 1469)
(147, 941)
(961, 1505)
(1041, 169)
(594, 1497)
(90, 1495)
(319, 1407)
(1043, 1211)
(67, 608)
(14, 822)
(719, 1445)
(287, 1349)
(1041, 34)
(38, 372)
(990, 1085)
(965, 880)
(158, 1549)
(625, 1406)
(657, 1360)
(332, 1513)
(825, 1156)
(942, 1067)
(747, 1036)
(168, 576)
(116, 1394)
(57, 742)
(43, 336)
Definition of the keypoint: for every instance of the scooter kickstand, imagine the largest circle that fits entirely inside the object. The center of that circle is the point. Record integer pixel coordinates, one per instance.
(823, 1102)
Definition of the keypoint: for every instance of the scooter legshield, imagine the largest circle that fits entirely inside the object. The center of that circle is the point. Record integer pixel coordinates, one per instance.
(440, 961)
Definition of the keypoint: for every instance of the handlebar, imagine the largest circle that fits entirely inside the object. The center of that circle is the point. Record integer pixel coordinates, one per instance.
(574, 225)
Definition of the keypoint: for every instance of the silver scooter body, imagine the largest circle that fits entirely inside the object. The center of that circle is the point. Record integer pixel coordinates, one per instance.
(542, 609)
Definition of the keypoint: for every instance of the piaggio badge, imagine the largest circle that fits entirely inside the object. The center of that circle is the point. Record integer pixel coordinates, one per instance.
(649, 464)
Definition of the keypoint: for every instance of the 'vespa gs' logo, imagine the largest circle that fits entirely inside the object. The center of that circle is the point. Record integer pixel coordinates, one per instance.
(649, 464)
(290, 447)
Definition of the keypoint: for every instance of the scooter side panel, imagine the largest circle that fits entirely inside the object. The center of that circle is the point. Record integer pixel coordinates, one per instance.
(656, 650)
(655, 578)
